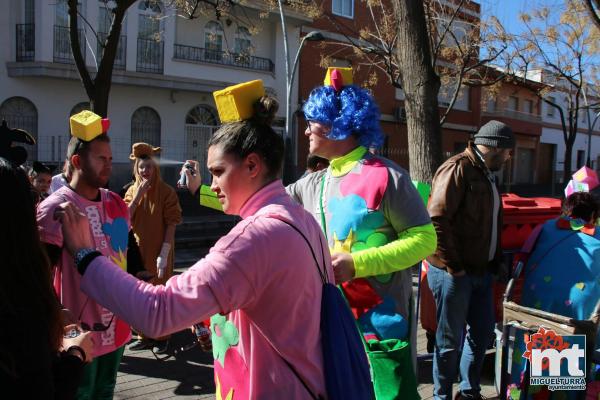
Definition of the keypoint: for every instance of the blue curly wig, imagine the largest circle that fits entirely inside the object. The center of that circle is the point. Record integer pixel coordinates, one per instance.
(351, 111)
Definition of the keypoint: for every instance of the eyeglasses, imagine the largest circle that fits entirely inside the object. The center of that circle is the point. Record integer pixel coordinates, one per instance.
(96, 326)
(319, 129)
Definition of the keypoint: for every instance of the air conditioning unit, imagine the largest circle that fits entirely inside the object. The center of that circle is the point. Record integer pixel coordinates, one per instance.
(400, 114)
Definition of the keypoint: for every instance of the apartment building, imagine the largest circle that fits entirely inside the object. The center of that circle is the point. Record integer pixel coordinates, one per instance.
(343, 19)
(165, 72)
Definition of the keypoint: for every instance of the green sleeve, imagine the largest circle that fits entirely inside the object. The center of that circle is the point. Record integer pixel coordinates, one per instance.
(209, 199)
(412, 246)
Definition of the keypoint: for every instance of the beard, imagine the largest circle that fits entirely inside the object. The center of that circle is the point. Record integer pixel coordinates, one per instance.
(95, 180)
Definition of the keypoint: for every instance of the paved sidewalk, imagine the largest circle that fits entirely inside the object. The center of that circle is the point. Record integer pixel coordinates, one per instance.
(189, 375)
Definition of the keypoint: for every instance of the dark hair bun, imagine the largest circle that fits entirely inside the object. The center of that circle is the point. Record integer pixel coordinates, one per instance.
(265, 109)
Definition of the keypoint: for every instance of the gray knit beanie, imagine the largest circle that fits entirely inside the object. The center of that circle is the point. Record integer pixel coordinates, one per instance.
(495, 134)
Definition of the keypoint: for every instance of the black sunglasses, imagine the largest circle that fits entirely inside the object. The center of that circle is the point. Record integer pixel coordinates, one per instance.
(96, 326)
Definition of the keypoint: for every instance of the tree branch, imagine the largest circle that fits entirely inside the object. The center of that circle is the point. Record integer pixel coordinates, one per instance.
(76, 50)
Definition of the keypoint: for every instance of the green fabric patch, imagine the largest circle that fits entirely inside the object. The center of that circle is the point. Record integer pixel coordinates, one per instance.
(224, 336)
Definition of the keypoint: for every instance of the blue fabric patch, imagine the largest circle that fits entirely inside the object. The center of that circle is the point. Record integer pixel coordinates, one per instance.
(118, 232)
(349, 213)
(384, 321)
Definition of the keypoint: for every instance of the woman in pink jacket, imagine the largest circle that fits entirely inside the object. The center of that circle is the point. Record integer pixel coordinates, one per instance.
(259, 282)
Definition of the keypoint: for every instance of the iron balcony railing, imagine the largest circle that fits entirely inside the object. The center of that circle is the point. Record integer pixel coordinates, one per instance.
(191, 53)
(121, 56)
(62, 44)
(25, 42)
(150, 55)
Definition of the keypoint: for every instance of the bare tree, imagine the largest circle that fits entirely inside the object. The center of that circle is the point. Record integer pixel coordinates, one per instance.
(447, 37)
(421, 85)
(593, 7)
(558, 48)
(97, 86)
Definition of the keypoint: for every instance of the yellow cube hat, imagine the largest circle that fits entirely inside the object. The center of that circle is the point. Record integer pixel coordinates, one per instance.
(235, 103)
(345, 72)
(87, 125)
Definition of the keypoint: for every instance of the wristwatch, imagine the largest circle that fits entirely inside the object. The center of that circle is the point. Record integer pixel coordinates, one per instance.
(81, 253)
(72, 333)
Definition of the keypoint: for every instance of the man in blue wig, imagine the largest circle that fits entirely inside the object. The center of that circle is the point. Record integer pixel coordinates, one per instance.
(373, 217)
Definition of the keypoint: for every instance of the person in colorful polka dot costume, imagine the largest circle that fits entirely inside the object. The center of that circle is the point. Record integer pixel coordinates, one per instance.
(562, 275)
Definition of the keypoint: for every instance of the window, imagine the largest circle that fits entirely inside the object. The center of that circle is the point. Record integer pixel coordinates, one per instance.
(145, 126)
(105, 19)
(201, 115)
(61, 13)
(340, 63)
(513, 103)
(584, 114)
(243, 41)
(462, 101)
(149, 21)
(79, 107)
(200, 123)
(344, 8)
(29, 12)
(455, 34)
(213, 40)
(549, 108)
(150, 45)
(528, 106)
(21, 113)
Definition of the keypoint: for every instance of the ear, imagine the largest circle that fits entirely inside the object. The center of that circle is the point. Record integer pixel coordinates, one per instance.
(76, 161)
(254, 164)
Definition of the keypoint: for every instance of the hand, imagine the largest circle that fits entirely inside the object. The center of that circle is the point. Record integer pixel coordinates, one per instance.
(84, 340)
(75, 227)
(343, 267)
(457, 274)
(193, 181)
(143, 188)
(163, 257)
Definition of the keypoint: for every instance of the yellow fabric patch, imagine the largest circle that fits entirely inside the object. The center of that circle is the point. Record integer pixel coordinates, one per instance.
(86, 125)
(346, 75)
(235, 103)
(342, 165)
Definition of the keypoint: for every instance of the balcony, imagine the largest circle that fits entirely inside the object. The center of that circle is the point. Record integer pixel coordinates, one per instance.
(121, 56)
(518, 115)
(150, 55)
(25, 42)
(62, 45)
(190, 53)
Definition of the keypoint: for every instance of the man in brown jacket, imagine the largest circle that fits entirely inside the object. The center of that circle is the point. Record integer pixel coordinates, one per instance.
(466, 210)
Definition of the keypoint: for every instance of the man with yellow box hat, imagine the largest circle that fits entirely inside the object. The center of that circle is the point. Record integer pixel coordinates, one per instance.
(90, 157)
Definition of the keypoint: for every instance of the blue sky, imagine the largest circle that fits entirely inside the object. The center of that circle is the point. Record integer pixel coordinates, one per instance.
(507, 11)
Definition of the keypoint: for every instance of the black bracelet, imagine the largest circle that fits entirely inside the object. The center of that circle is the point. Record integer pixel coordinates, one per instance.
(85, 261)
(80, 350)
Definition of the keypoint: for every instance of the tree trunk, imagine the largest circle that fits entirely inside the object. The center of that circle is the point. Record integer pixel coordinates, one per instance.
(421, 86)
(567, 170)
(98, 89)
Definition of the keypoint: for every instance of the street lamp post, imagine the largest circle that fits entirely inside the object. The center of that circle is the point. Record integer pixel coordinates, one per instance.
(590, 130)
(289, 76)
(313, 36)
